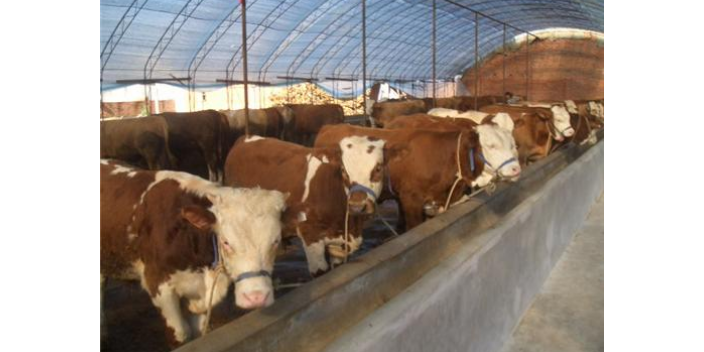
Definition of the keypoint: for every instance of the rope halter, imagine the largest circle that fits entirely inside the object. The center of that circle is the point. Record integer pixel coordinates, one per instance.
(487, 163)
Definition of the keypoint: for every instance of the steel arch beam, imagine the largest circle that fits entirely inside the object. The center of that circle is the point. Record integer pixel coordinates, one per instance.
(122, 26)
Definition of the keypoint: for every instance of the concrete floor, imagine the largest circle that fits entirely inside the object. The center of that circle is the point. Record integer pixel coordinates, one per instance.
(568, 314)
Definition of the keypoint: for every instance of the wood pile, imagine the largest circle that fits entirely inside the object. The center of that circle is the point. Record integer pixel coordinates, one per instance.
(308, 93)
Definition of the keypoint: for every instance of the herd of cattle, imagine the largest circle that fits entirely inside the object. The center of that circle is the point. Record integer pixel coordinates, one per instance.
(302, 173)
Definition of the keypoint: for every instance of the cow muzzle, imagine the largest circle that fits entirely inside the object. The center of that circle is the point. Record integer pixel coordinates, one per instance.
(362, 200)
(432, 209)
(254, 290)
(569, 132)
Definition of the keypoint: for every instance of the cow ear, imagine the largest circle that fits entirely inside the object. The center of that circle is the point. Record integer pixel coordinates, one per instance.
(198, 216)
(503, 120)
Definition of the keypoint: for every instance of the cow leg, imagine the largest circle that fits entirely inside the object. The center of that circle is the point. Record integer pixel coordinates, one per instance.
(315, 254)
(401, 222)
(103, 319)
(413, 211)
(167, 301)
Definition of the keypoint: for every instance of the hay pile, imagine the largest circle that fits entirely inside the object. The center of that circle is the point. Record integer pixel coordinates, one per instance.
(308, 93)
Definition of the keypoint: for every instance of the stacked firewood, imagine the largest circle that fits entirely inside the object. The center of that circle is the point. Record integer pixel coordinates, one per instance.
(308, 93)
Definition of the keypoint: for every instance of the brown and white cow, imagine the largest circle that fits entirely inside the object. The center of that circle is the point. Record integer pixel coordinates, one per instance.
(562, 128)
(322, 183)
(533, 130)
(143, 141)
(424, 167)
(308, 119)
(499, 151)
(200, 133)
(171, 230)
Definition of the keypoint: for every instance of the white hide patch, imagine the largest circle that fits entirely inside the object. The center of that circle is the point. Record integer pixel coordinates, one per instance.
(571, 107)
(360, 156)
(253, 139)
(498, 146)
(596, 110)
(313, 165)
(104, 162)
(315, 252)
(443, 112)
(119, 169)
(504, 121)
(561, 119)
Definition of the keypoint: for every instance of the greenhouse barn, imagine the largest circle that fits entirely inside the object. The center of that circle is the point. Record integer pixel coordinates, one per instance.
(352, 175)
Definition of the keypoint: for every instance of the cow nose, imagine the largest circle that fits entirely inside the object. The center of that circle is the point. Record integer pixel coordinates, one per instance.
(255, 299)
(569, 133)
(357, 207)
(516, 170)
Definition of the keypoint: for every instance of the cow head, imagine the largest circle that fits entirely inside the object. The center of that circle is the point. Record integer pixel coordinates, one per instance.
(561, 122)
(247, 223)
(596, 110)
(499, 150)
(363, 171)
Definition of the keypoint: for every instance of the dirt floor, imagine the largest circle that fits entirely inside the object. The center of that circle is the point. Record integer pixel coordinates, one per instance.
(135, 325)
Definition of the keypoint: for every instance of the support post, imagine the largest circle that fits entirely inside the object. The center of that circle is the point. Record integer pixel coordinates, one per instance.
(503, 76)
(364, 62)
(244, 67)
(527, 67)
(434, 49)
(476, 60)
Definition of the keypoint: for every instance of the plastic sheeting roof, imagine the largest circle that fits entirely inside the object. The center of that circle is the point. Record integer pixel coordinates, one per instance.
(315, 38)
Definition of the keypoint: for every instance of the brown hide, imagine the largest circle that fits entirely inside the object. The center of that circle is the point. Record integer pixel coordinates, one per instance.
(382, 111)
(531, 130)
(141, 141)
(308, 119)
(204, 133)
(423, 167)
(425, 121)
(462, 103)
(262, 122)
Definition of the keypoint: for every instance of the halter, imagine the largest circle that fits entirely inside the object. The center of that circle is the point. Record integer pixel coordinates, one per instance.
(358, 187)
(218, 261)
(496, 169)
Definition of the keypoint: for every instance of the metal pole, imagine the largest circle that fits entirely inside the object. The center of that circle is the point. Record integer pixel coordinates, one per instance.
(476, 60)
(503, 77)
(364, 61)
(244, 68)
(527, 65)
(434, 50)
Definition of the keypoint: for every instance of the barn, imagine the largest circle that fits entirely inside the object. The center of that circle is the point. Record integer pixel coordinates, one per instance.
(352, 175)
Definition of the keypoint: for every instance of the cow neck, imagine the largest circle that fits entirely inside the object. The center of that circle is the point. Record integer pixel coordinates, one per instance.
(474, 167)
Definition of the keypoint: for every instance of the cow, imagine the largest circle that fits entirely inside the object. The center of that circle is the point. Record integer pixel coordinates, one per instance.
(532, 131)
(308, 119)
(331, 189)
(201, 133)
(143, 141)
(381, 111)
(499, 151)
(425, 172)
(561, 125)
(592, 110)
(180, 235)
(267, 122)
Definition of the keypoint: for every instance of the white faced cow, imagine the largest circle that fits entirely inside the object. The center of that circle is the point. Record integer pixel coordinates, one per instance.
(362, 164)
(180, 235)
(561, 126)
(499, 151)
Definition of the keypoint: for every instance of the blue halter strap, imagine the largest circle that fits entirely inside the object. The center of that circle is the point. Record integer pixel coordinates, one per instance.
(357, 187)
(244, 275)
(216, 252)
(471, 160)
(496, 169)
